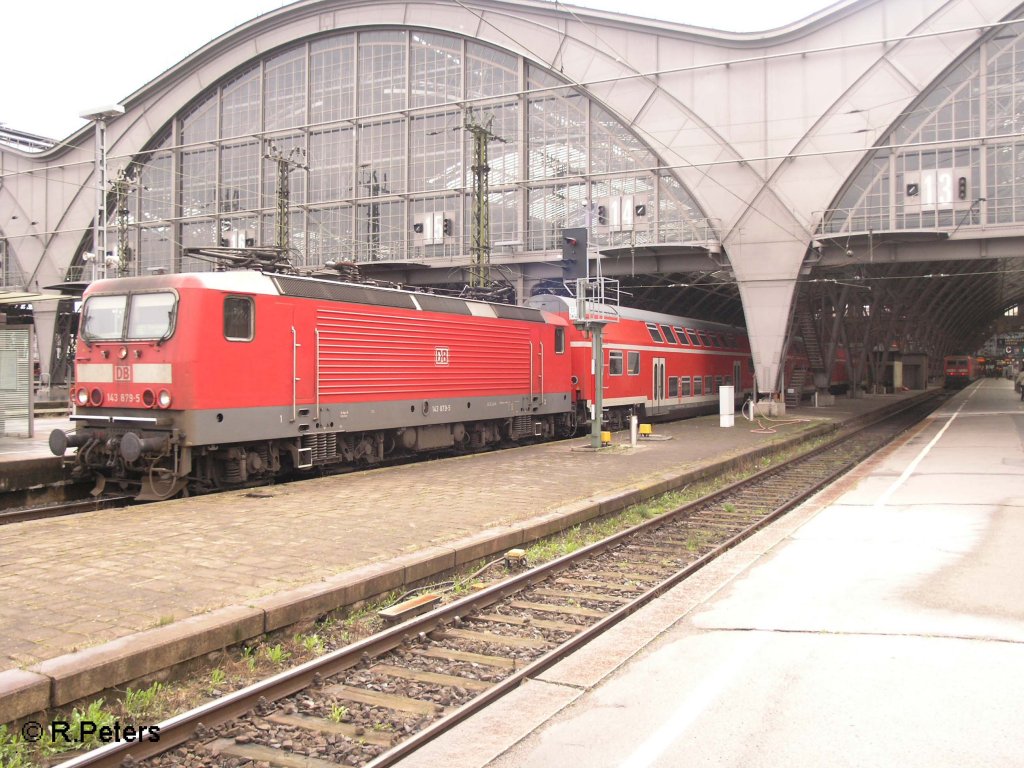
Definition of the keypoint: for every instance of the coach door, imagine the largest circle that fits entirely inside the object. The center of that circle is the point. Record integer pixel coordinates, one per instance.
(658, 396)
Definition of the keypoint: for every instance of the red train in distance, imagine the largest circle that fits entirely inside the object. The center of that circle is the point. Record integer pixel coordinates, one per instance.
(193, 382)
(959, 371)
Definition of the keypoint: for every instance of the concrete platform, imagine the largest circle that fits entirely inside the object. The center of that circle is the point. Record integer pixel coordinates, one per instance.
(97, 600)
(880, 624)
(26, 463)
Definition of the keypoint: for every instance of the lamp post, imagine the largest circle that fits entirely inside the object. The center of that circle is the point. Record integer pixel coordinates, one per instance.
(99, 117)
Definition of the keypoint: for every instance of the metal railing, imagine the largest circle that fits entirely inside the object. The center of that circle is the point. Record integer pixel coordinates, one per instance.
(864, 220)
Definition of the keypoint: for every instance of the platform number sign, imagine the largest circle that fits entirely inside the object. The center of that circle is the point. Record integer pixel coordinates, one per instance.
(937, 189)
(440, 355)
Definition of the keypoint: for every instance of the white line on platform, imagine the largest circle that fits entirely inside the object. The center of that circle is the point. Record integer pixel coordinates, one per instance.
(884, 498)
(706, 694)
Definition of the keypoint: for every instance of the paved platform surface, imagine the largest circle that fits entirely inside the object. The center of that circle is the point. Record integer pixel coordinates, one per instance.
(38, 446)
(880, 624)
(101, 598)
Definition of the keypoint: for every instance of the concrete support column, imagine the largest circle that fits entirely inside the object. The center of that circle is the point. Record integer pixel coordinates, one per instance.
(44, 316)
(766, 275)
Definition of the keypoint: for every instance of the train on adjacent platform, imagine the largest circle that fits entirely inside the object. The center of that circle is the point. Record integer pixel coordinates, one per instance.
(959, 370)
(194, 382)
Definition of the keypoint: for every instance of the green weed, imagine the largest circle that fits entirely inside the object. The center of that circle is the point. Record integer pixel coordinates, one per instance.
(142, 704)
(311, 643)
(217, 678)
(94, 715)
(13, 749)
(277, 655)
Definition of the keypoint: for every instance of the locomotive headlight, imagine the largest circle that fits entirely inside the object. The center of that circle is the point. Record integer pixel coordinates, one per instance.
(148, 398)
(82, 396)
(164, 399)
(122, 352)
(96, 397)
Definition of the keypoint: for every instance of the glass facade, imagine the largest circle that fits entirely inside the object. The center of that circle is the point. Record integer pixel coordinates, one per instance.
(370, 130)
(955, 158)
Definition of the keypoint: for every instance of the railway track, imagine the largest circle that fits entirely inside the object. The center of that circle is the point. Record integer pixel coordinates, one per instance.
(376, 701)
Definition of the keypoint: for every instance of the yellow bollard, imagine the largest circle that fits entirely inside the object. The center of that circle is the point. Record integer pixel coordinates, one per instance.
(606, 438)
(646, 430)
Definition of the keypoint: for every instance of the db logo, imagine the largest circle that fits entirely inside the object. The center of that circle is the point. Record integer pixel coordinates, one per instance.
(122, 373)
(440, 355)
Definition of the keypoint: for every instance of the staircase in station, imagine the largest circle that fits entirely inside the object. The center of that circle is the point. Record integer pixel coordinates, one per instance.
(815, 370)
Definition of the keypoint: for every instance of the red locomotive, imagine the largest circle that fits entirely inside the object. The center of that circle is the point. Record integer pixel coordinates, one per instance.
(959, 370)
(199, 381)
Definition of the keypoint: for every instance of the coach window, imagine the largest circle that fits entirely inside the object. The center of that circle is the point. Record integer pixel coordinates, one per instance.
(633, 364)
(615, 363)
(669, 336)
(655, 333)
(694, 339)
(703, 338)
(698, 386)
(718, 383)
(708, 388)
(238, 318)
(673, 386)
(559, 341)
(684, 386)
(680, 334)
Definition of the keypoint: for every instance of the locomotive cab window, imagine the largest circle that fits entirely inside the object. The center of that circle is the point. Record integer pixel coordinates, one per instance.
(151, 315)
(103, 317)
(129, 316)
(238, 318)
